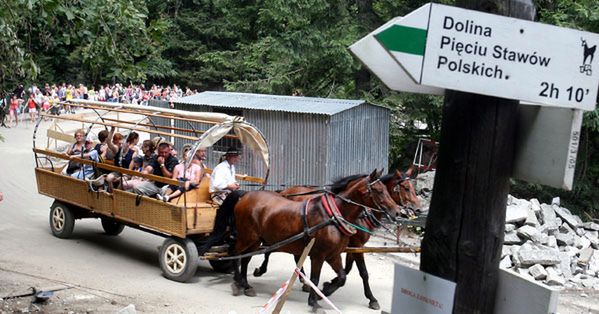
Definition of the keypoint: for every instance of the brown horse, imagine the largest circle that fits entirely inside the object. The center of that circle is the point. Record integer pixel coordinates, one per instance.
(401, 190)
(266, 218)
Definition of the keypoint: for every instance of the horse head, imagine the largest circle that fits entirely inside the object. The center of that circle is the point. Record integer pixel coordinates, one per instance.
(402, 190)
(377, 196)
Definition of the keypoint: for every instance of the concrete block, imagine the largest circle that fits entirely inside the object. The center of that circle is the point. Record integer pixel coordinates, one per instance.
(510, 227)
(516, 213)
(538, 272)
(584, 256)
(506, 262)
(582, 243)
(564, 239)
(555, 201)
(553, 278)
(531, 220)
(552, 242)
(591, 226)
(547, 213)
(565, 215)
(512, 238)
(535, 206)
(543, 257)
(529, 233)
(565, 265)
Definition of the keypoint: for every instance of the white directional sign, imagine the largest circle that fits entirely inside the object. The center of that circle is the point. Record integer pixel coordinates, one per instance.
(380, 63)
(471, 51)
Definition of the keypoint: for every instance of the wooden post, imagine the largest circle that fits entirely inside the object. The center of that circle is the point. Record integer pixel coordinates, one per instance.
(299, 265)
(466, 222)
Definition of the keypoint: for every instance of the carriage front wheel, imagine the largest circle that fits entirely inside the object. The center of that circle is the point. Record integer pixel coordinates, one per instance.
(178, 259)
(62, 220)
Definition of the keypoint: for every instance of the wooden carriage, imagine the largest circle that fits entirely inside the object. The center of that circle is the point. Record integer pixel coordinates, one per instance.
(184, 221)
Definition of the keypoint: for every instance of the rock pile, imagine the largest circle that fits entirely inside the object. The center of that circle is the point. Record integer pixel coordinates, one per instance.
(550, 244)
(544, 242)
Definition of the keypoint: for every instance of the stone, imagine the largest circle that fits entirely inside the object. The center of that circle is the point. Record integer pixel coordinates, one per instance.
(564, 239)
(580, 232)
(564, 265)
(565, 228)
(553, 278)
(565, 215)
(507, 250)
(531, 220)
(516, 213)
(585, 256)
(592, 234)
(538, 272)
(535, 206)
(551, 227)
(528, 233)
(510, 227)
(582, 243)
(594, 262)
(555, 201)
(551, 241)
(543, 257)
(590, 226)
(506, 262)
(547, 213)
(512, 238)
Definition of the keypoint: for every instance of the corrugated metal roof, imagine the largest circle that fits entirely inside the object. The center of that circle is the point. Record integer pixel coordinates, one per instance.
(297, 104)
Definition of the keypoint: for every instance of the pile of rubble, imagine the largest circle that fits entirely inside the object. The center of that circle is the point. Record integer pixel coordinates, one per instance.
(542, 241)
(550, 244)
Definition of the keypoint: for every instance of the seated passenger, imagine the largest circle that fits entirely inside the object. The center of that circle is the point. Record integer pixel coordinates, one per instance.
(123, 156)
(75, 149)
(142, 162)
(190, 177)
(86, 170)
(162, 165)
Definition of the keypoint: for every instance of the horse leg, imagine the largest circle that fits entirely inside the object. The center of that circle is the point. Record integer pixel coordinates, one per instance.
(305, 287)
(236, 285)
(326, 287)
(262, 269)
(335, 263)
(247, 289)
(316, 267)
(361, 264)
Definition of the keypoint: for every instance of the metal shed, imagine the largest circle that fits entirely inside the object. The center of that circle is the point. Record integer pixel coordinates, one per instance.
(312, 140)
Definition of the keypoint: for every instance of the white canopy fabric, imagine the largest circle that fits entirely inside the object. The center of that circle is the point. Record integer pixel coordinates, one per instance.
(248, 134)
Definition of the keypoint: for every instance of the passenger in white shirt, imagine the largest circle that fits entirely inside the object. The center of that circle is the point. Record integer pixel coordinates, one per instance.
(223, 177)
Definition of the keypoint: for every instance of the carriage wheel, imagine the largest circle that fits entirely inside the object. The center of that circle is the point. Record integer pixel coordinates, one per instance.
(178, 259)
(62, 220)
(112, 227)
(221, 266)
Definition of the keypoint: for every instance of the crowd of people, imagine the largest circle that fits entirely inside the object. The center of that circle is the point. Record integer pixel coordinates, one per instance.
(40, 99)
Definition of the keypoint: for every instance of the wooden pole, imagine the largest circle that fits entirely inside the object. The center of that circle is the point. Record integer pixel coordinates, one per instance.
(466, 222)
(299, 265)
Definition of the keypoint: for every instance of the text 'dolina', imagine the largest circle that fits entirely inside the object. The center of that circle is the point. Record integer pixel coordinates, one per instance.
(468, 27)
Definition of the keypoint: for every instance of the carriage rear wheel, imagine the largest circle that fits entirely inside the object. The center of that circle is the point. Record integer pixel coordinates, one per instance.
(112, 227)
(178, 259)
(62, 220)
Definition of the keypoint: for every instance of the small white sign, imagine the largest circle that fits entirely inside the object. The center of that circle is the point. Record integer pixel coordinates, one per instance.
(547, 145)
(380, 63)
(476, 52)
(417, 292)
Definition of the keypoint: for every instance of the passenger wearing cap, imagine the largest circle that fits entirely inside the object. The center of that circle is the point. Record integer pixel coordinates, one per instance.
(188, 178)
(223, 179)
(162, 165)
(87, 170)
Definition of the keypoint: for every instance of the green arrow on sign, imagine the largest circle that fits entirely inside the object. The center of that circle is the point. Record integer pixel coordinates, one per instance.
(403, 39)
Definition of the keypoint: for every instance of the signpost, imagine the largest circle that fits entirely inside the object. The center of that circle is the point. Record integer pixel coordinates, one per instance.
(471, 51)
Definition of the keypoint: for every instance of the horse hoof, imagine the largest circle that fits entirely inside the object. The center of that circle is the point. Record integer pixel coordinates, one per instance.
(249, 292)
(236, 289)
(374, 305)
(258, 272)
(305, 288)
(316, 307)
(326, 287)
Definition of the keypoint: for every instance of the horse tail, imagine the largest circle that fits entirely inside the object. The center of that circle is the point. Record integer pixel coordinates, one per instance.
(225, 217)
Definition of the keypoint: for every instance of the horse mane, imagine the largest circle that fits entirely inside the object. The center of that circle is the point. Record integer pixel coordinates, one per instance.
(341, 184)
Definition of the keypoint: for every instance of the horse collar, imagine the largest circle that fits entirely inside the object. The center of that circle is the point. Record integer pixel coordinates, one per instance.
(334, 214)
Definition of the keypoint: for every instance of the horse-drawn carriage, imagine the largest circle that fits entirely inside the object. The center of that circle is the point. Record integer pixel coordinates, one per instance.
(186, 222)
(183, 221)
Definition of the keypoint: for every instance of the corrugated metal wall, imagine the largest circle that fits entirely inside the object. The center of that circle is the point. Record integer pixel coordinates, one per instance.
(309, 149)
(298, 145)
(359, 141)
(160, 121)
